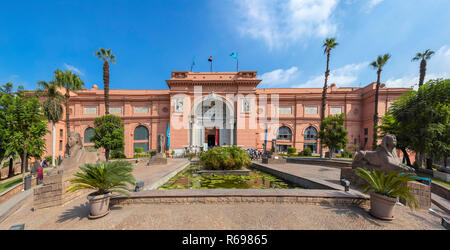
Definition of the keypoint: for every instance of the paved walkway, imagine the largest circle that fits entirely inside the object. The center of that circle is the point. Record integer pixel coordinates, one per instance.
(152, 175)
(219, 216)
(9, 206)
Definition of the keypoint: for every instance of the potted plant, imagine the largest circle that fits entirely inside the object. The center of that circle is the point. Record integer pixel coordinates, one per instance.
(385, 189)
(105, 178)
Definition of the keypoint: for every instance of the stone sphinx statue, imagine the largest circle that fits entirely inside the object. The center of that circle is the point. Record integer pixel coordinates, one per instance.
(383, 158)
(77, 155)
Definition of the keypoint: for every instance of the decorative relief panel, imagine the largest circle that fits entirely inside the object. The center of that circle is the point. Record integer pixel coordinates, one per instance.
(90, 110)
(311, 110)
(115, 110)
(140, 110)
(335, 110)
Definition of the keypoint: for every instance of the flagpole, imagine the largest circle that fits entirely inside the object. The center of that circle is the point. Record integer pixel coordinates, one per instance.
(237, 65)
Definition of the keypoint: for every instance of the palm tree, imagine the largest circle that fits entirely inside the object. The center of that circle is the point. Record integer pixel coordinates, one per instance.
(71, 82)
(106, 56)
(52, 107)
(328, 45)
(423, 57)
(378, 65)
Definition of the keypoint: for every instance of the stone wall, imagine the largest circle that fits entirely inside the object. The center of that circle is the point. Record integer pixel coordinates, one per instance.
(53, 192)
(15, 190)
(440, 190)
(323, 162)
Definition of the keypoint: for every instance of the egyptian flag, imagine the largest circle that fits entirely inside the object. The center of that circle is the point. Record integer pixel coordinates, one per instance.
(210, 59)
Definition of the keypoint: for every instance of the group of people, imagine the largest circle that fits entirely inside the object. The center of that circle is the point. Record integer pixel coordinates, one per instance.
(255, 154)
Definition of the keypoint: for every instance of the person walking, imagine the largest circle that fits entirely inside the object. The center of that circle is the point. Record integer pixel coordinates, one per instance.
(40, 173)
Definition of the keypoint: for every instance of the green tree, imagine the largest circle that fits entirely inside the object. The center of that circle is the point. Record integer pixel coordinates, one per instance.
(108, 134)
(328, 45)
(52, 107)
(333, 133)
(423, 117)
(106, 56)
(6, 97)
(25, 128)
(391, 126)
(71, 82)
(378, 65)
(423, 57)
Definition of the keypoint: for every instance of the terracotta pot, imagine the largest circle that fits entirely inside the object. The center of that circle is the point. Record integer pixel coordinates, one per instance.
(382, 206)
(99, 205)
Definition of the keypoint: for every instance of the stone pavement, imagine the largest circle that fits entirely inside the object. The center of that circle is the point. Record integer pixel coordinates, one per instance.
(212, 216)
(12, 204)
(153, 175)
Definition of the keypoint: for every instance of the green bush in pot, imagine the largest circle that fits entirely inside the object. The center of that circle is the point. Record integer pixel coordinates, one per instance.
(105, 178)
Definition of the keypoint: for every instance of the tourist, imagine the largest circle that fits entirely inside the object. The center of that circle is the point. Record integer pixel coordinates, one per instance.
(40, 174)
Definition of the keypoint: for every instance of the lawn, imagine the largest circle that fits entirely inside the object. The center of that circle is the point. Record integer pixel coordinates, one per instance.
(434, 179)
(6, 185)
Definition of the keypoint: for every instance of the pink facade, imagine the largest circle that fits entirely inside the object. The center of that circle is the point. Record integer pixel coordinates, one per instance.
(224, 108)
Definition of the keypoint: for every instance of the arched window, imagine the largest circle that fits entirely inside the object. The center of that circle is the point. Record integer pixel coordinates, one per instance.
(310, 134)
(88, 134)
(284, 133)
(141, 138)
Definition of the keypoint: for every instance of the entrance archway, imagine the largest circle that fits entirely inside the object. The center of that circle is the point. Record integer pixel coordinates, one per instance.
(212, 122)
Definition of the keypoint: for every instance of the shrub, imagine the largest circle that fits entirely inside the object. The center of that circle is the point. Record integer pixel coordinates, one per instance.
(49, 160)
(291, 150)
(104, 177)
(392, 184)
(153, 153)
(138, 150)
(225, 158)
(306, 152)
(117, 154)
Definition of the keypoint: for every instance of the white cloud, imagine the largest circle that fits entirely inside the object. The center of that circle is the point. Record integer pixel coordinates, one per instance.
(373, 3)
(279, 23)
(343, 76)
(279, 76)
(73, 68)
(437, 67)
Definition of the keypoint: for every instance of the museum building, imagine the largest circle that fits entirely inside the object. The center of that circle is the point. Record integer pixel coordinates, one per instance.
(207, 109)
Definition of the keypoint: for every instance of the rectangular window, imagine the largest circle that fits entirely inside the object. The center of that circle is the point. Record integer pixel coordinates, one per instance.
(90, 110)
(285, 110)
(311, 110)
(61, 134)
(335, 110)
(60, 145)
(115, 110)
(366, 131)
(140, 110)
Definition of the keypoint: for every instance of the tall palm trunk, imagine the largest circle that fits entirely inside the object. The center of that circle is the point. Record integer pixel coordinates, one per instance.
(106, 87)
(406, 156)
(423, 69)
(375, 116)
(324, 98)
(53, 143)
(67, 123)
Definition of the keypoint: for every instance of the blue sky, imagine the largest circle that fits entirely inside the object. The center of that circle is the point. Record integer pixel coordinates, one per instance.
(279, 39)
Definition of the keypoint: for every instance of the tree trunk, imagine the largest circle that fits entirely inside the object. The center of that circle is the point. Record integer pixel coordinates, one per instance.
(24, 163)
(375, 116)
(330, 155)
(53, 143)
(106, 85)
(107, 155)
(324, 100)
(423, 68)
(67, 123)
(406, 156)
(429, 163)
(11, 167)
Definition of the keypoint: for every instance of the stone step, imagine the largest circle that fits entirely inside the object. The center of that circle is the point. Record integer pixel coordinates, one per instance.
(441, 202)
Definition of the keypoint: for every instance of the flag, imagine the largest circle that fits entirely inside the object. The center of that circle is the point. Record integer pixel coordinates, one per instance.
(234, 55)
(168, 136)
(193, 61)
(210, 59)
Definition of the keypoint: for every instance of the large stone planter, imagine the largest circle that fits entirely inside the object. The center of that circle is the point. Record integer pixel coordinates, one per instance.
(382, 206)
(99, 205)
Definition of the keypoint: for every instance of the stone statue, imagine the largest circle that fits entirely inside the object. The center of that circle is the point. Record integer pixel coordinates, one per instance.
(78, 156)
(383, 158)
(162, 144)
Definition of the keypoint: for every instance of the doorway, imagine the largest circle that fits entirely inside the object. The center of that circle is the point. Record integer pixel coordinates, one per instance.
(211, 141)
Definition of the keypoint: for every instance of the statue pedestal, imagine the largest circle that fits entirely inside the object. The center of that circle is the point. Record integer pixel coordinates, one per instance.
(158, 159)
(275, 159)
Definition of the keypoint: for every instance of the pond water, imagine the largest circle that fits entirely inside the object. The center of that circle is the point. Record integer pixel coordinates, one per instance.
(189, 179)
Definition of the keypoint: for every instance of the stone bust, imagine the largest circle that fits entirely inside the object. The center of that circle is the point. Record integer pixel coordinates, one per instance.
(75, 144)
(384, 158)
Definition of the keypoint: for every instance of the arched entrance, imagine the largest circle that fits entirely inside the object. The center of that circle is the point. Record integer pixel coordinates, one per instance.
(212, 122)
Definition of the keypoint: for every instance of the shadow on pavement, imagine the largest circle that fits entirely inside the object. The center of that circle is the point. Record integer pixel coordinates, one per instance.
(79, 212)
